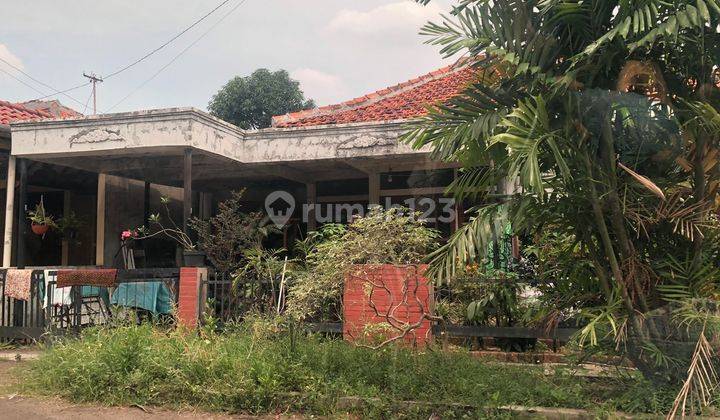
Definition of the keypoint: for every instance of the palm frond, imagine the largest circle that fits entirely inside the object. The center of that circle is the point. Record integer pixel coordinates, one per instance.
(467, 244)
(526, 131)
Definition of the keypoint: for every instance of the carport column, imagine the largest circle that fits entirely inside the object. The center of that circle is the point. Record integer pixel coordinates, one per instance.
(311, 190)
(374, 188)
(187, 189)
(100, 223)
(21, 217)
(9, 212)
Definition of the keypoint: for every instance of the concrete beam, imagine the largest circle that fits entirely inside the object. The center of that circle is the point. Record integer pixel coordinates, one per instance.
(148, 131)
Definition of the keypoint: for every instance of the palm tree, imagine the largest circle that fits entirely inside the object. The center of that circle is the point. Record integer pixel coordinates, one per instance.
(598, 119)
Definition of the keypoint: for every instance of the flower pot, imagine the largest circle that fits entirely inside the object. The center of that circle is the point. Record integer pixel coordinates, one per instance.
(39, 229)
(194, 258)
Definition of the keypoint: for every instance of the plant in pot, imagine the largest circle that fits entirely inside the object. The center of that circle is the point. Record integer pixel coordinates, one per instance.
(40, 220)
(69, 226)
(192, 257)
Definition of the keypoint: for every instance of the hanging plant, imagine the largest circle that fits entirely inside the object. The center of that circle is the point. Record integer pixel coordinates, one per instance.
(40, 220)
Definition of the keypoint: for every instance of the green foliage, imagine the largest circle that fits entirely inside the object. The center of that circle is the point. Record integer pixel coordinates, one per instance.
(40, 217)
(249, 371)
(258, 281)
(498, 301)
(394, 236)
(69, 224)
(605, 114)
(225, 237)
(250, 102)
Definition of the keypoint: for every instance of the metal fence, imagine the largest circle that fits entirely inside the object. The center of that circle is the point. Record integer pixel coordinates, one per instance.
(137, 295)
(22, 319)
(227, 299)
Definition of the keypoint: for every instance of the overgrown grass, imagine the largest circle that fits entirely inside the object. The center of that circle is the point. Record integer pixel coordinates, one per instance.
(239, 372)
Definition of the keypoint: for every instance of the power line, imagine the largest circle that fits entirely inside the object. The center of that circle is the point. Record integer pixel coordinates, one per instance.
(57, 92)
(92, 92)
(63, 91)
(141, 59)
(168, 64)
(21, 81)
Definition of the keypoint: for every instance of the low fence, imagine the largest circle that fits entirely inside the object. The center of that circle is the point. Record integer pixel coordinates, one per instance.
(228, 300)
(557, 335)
(143, 294)
(21, 319)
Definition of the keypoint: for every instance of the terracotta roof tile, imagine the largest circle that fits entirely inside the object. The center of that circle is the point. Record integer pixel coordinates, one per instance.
(403, 101)
(10, 112)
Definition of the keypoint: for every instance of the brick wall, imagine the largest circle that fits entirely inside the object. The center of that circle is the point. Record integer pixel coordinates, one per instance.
(402, 291)
(191, 296)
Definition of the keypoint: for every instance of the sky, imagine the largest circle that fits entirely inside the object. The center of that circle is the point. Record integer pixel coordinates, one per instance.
(336, 49)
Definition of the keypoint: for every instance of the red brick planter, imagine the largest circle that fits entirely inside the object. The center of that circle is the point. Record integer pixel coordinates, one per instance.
(377, 295)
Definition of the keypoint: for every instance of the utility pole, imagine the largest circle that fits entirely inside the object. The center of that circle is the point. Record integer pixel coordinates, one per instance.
(94, 80)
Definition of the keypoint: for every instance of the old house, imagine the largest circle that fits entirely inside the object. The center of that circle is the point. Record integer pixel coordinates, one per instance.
(110, 170)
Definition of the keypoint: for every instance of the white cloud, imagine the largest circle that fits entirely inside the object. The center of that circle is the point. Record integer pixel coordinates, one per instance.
(11, 58)
(404, 18)
(324, 88)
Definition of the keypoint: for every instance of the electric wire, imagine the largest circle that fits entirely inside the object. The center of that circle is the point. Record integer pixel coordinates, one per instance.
(21, 81)
(40, 82)
(176, 57)
(143, 58)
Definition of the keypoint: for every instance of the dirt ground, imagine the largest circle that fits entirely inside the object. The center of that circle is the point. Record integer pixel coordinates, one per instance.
(18, 407)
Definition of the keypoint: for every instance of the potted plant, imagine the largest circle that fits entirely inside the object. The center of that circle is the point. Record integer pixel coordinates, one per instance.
(40, 220)
(69, 225)
(192, 257)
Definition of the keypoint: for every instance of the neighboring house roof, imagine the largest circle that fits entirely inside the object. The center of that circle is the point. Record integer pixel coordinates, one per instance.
(54, 108)
(10, 112)
(404, 101)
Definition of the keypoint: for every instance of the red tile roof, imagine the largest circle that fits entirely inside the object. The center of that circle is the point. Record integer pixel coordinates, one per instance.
(404, 101)
(10, 112)
(52, 107)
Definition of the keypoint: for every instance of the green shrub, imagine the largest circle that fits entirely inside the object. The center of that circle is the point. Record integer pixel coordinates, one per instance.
(394, 236)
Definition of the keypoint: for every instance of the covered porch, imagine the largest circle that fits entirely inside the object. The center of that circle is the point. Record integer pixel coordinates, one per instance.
(126, 162)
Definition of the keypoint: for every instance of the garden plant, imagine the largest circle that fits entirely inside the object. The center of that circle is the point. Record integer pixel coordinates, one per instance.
(598, 121)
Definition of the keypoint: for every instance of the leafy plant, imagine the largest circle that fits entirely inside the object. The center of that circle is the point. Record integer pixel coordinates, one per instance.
(40, 217)
(261, 282)
(158, 227)
(606, 115)
(69, 224)
(226, 236)
(250, 102)
(393, 236)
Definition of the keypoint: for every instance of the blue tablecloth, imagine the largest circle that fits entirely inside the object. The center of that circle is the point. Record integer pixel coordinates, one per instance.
(153, 296)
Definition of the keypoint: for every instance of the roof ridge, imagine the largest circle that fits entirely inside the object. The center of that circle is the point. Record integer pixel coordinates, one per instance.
(373, 97)
(21, 108)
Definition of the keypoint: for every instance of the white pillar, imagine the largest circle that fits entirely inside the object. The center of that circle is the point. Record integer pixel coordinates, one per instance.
(100, 224)
(9, 212)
